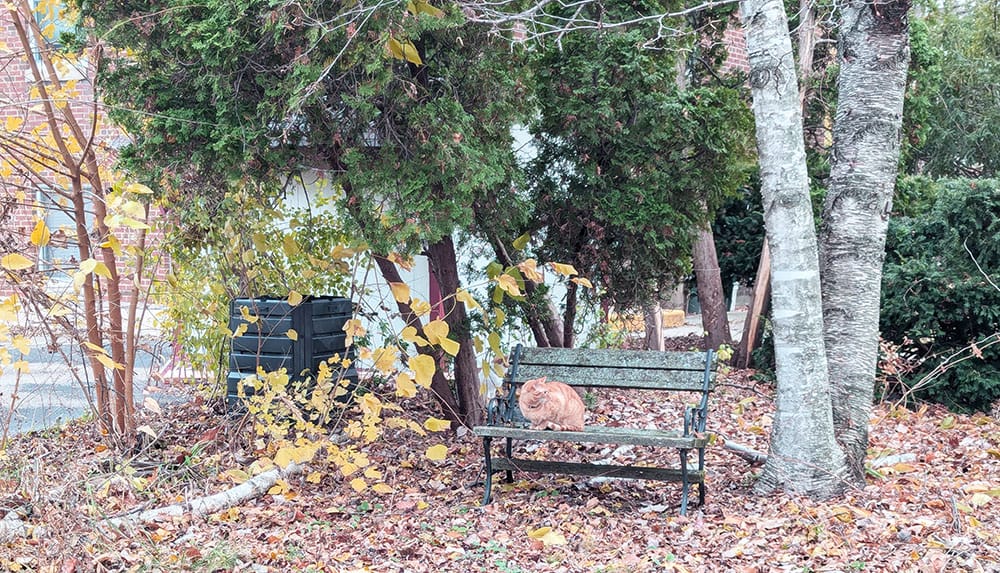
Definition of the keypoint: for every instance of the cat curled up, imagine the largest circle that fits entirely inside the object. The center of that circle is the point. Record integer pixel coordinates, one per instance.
(551, 405)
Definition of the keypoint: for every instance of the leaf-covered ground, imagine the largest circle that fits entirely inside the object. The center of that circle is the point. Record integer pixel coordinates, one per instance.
(937, 509)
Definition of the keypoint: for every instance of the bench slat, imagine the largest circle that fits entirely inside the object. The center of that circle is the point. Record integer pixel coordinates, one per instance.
(631, 472)
(614, 357)
(609, 377)
(600, 435)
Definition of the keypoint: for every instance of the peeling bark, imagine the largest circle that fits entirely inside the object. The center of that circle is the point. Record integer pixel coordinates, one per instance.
(804, 456)
(874, 58)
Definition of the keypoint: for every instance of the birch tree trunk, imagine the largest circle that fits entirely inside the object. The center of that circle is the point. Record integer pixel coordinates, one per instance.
(804, 455)
(874, 55)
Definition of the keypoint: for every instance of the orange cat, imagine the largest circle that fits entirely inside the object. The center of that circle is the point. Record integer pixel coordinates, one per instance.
(551, 405)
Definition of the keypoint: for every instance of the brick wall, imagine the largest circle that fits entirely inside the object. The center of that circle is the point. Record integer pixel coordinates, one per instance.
(736, 46)
(19, 189)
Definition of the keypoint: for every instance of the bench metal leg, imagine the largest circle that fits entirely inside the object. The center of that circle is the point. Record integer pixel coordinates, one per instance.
(509, 451)
(685, 483)
(488, 466)
(701, 486)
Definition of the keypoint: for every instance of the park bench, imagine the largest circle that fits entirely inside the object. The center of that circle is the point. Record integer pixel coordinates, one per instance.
(690, 372)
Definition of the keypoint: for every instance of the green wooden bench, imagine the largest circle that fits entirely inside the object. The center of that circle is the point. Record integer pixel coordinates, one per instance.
(691, 372)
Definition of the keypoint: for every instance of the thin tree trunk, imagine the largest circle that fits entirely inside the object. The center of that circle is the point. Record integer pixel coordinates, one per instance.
(444, 265)
(653, 319)
(569, 316)
(807, 48)
(804, 456)
(541, 314)
(874, 56)
(711, 297)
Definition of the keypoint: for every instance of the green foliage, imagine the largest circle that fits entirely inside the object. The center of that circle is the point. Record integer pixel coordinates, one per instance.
(939, 289)
(628, 164)
(952, 110)
(739, 236)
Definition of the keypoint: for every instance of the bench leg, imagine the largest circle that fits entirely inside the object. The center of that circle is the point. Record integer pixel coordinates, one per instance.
(509, 451)
(685, 482)
(701, 486)
(488, 466)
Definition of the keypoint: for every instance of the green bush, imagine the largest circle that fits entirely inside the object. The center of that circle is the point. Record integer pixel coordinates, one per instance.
(939, 290)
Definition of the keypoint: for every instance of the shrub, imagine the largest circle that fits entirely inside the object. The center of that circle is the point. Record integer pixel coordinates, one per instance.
(937, 291)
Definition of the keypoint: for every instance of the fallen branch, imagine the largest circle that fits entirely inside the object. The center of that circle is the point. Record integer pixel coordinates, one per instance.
(12, 527)
(253, 487)
(746, 452)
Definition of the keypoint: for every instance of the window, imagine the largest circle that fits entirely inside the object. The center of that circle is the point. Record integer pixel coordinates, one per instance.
(55, 21)
(61, 256)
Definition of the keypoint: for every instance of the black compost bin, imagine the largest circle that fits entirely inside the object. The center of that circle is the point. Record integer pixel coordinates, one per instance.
(318, 321)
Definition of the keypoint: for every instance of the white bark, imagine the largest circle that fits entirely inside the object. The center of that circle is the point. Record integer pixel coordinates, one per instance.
(253, 487)
(874, 56)
(804, 456)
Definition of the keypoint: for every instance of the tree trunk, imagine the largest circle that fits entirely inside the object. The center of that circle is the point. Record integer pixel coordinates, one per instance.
(874, 56)
(444, 265)
(653, 319)
(804, 456)
(439, 383)
(711, 297)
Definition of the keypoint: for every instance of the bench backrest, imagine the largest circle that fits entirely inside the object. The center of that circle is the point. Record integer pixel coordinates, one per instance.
(615, 368)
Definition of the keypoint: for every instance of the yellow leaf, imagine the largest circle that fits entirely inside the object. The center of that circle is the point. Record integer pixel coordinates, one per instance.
(314, 477)
(102, 270)
(409, 334)
(423, 369)
(436, 424)
(499, 317)
(108, 362)
(582, 282)
(529, 269)
(435, 330)
(292, 334)
(22, 344)
(359, 485)
(404, 50)
(40, 235)
(135, 209)
(283, 457)
(382, 488)
(947, 423)
(88, 266)
(400, 292)
(449, 346)
(294, 298)
(95, 347)
(353, 329)
(137, 188)
(16, 262)
(417, 7)
(466, 298)
(237, 476)
(438, 452)
(113, 244)
(22, 366)
(289, 245)
(979, 499)
(420, 307)
(563, 269)
(14, 122)
(385, 359)
(245, 315)
(405, 388)
(522, 241)
(241, 329)
(547, 536)
(509, 284)
(372, 473)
